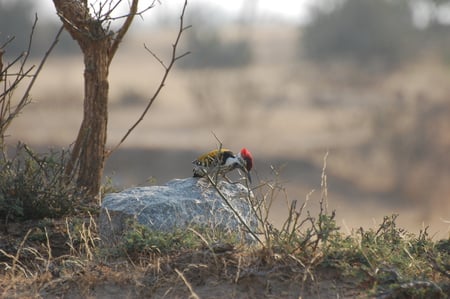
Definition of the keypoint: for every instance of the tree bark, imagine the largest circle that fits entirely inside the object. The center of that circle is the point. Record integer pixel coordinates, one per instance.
(91, 139)
(98, 45)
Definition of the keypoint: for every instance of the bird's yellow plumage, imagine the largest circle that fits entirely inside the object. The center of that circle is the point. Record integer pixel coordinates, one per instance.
(213, 156)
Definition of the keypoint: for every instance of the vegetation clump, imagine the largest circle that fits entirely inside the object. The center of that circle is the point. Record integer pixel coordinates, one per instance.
(33, 186)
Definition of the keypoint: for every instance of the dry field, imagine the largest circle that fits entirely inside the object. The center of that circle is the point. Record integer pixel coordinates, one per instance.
(288, 113)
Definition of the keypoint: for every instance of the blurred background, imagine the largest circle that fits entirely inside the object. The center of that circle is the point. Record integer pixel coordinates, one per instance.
(366, 81)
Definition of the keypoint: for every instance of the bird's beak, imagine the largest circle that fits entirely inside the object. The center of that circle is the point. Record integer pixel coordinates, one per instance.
(244, 169)
(249, 176)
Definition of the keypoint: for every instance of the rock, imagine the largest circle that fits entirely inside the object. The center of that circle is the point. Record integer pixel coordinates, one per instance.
(180, 203)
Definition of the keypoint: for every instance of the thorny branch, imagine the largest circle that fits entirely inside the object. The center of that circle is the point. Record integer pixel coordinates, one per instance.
(167, 68)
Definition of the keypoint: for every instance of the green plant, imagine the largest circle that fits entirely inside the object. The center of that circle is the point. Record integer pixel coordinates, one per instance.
(389, 261)
(33, 186)
(139, 240)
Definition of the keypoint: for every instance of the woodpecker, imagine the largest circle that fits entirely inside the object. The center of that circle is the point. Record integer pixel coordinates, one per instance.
(222, 161)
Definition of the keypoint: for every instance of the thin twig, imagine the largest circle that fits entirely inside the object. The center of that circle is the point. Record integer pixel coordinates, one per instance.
(167, 68)
(7, 42)
(241, 220)
(138, 13)
(188, 285)
(14, 61)
(30, 42)
(7, 114)
(207, 245)
(15, 83)
(156, 57)
(25, 97)
(111, 7)
(123, 30)
(44, 59)
(324, 183)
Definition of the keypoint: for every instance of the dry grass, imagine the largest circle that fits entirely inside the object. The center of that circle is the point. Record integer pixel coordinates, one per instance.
(309, 256)
(237, 272)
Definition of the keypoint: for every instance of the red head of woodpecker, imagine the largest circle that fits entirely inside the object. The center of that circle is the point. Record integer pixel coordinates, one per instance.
(246, 162)
(223, 161)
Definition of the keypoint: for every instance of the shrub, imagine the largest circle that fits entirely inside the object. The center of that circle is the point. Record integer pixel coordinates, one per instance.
(33, 186)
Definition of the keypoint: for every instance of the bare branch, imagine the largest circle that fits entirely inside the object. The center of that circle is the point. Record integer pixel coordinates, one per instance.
(16, 82)
(7, 42)
(167, 68)
(19, 76)
(30, 42)
(182, 55)
(41, 64)
(156, 57)
(111, 8)
(13, 62)
(7, 113)
(123, 30)
(138, 13)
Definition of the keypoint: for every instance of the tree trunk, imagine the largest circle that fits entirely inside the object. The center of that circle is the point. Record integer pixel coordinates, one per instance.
(86, 163)
(91, 140)
(98, 45)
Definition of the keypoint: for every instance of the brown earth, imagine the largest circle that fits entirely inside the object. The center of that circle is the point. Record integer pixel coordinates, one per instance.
(230, 272)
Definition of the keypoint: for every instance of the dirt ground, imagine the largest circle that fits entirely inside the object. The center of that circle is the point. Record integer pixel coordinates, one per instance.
(50, 259)
(232, 273)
